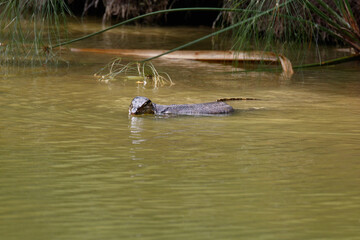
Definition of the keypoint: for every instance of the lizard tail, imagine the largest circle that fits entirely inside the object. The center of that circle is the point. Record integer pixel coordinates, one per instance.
(236, 99)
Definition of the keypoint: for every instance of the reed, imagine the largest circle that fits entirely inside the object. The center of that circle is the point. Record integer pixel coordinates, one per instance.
(27, 27)
(33, 29)
(303, 22)
(294, 18)
(143, 73)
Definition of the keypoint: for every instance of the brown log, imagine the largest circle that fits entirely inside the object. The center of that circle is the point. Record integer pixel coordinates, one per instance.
(200, 55)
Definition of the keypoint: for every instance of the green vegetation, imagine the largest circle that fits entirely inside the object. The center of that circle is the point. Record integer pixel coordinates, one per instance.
(143, 73)
(28, 27)
(36, 27)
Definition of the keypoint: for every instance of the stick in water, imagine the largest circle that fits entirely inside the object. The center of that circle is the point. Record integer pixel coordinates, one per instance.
(236, 99)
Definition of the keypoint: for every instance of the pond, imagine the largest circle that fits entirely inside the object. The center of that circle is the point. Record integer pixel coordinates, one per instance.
(74, 165)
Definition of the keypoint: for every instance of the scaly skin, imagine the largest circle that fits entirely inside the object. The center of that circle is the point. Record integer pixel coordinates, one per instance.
(143, 105)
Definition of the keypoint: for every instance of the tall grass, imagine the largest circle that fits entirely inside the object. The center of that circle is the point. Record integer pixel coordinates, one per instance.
(28, 27)
(32, 29)
(275, 25)
(299, 21)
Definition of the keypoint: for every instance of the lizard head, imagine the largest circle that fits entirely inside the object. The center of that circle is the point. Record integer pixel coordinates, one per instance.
(141, 105)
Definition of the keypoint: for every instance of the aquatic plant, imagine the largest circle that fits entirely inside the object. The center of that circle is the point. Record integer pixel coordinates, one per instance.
(143, 73)
(302, 20)
(28, 27)
(254, 24)
(300, 23)
(292, 18)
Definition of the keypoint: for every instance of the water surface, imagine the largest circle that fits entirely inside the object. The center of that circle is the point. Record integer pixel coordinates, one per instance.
(74, 165)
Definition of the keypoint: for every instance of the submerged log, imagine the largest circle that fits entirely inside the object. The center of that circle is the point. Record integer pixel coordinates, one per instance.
(200, 55)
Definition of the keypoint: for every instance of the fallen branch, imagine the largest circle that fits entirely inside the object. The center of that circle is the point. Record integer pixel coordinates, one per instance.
(203, 55)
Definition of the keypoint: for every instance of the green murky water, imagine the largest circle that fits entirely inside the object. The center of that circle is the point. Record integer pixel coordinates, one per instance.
(74, 165)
